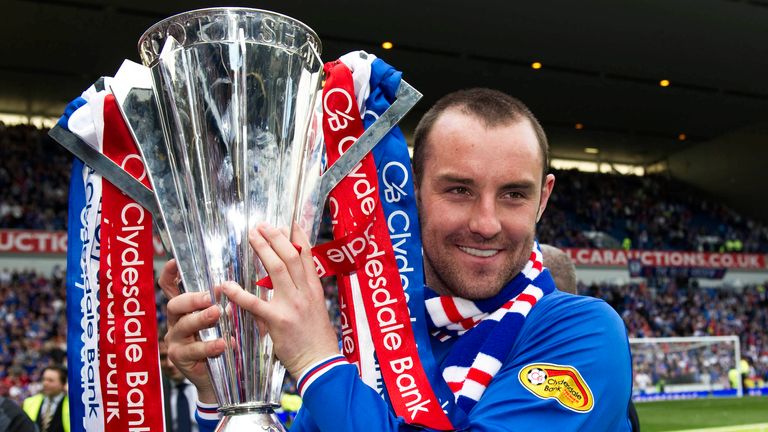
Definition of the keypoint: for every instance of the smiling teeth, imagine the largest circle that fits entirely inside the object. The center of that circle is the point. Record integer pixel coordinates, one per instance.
(484, 253)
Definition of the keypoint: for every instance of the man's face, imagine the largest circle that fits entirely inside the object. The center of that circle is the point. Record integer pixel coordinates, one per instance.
(52, 384)
(479, 200)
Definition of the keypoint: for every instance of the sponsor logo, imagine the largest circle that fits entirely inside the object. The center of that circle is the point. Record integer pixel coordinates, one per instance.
(561, 383)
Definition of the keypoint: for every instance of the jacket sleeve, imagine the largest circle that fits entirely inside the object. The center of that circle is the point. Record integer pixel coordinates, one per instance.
(583, 337)
(339, 400)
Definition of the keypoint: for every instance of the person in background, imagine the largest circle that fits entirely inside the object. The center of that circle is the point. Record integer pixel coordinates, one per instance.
(49, 409)
(561, 266)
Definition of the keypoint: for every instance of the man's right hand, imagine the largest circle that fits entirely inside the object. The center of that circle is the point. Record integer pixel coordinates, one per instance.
(189, 313)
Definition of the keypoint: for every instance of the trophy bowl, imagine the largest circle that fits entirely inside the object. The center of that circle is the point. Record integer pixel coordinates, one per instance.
(236, 95)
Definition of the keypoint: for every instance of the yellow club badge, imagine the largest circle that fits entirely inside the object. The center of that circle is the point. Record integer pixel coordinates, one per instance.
(561, 383)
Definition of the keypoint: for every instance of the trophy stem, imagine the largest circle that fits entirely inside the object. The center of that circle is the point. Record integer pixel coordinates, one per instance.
(250, 418)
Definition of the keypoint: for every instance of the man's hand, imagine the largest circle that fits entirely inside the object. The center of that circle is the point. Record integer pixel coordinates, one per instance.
(189, 313)
(296, 317)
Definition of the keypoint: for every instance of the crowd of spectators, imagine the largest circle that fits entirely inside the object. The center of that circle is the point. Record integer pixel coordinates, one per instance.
(669, 311)
(649, 212)
(585, 210)
(32, 328)
(34, 179)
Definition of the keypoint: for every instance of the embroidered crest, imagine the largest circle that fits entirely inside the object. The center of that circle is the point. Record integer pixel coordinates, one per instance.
(561, 383)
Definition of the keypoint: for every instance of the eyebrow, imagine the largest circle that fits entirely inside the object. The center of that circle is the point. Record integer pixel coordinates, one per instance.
(450, 178)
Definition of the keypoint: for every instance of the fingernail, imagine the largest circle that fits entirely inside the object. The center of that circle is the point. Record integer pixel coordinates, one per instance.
(210, 312)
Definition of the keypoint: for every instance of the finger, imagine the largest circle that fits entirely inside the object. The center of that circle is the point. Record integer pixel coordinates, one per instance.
(190, 324)
(184, 304)
(196, 351)
(168, 279)
(287, 252)
(276, 268)
(258, 307)
(301, 239)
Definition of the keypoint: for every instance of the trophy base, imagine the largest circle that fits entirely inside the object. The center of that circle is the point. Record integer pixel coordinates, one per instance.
(259, 419)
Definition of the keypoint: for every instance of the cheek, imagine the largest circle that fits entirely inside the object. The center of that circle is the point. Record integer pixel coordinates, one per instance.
(440, 218)
(520, 225)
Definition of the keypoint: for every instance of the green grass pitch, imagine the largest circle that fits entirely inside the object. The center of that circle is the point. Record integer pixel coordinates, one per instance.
(702, 413)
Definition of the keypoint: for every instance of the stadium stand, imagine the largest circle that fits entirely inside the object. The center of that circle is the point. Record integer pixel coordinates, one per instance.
(34, 179)
(649, 212)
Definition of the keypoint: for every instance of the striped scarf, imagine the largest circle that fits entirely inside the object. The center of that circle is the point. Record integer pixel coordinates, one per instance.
(489, 329)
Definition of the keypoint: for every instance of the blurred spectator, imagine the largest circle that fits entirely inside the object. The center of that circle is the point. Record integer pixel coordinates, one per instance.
(49, 409)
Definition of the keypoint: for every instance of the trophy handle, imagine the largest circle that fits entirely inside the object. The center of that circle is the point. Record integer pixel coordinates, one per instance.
(104, 166)
(405, 99)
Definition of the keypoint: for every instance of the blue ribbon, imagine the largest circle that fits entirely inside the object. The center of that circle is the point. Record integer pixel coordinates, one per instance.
(398, 199)
(75, 281)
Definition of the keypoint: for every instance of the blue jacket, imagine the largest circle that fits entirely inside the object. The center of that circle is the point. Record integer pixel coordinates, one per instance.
(580, 335)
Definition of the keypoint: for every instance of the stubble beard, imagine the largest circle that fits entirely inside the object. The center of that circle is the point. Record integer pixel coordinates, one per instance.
(449, 278)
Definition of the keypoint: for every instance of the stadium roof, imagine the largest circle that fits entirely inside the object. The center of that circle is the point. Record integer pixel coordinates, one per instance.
(601, 66)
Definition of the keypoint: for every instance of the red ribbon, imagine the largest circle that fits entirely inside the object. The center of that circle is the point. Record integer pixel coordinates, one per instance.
(129, 363)
(357, 205)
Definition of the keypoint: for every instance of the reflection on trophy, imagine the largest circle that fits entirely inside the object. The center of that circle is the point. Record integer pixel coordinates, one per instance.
(236, 93)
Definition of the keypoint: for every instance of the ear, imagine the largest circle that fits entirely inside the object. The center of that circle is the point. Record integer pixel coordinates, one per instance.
(546, 192)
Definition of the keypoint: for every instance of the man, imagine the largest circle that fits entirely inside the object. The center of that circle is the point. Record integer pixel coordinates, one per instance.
(179, 395)
(50, 408)
(562, 268)
(480, 165)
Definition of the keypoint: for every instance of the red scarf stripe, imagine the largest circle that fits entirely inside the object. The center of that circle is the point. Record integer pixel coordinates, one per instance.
(527, 298)
(481, 377)
(455, 386)
(538, 265)
(450, 309)
(468, 323)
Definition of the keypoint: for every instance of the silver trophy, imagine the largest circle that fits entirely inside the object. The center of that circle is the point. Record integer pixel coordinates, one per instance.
(226, 115)
(236, 91)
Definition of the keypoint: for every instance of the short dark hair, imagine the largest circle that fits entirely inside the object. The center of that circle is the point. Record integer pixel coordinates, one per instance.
(492, 107)
(61, 370)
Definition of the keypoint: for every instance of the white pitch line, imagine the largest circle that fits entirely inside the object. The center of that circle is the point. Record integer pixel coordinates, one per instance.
(757, 427)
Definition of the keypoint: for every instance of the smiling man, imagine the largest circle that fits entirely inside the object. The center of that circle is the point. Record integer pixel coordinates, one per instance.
(512, 352)
(481, 185)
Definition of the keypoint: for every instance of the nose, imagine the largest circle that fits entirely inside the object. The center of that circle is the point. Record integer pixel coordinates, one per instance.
(484, 220)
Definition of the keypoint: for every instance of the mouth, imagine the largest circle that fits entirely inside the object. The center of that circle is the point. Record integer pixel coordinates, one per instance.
(480, 253)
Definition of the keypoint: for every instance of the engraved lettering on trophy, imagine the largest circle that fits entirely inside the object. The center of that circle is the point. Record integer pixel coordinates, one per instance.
(288, 35)
(268, 30)
(177, 31)
(213, 30)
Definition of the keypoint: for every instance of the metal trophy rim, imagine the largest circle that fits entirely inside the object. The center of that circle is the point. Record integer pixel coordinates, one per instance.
(164, 23)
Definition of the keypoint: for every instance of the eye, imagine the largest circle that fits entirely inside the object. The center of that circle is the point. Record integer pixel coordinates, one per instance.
(513, 195)
(458, 190)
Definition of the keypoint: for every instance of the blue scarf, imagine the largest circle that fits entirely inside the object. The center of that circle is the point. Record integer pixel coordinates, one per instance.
(488, 329)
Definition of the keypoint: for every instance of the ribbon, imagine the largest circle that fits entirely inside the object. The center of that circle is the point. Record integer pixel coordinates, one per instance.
(357, 204)
(128, 338)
